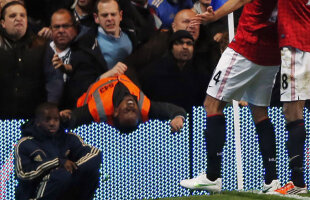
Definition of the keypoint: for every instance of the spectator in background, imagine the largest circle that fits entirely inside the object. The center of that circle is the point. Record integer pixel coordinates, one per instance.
(21, 69)
(83, 12)
(173, 78)
(159, 43)
(114, 43)
(166, 10)
(206, 52)
(145, 21)
(58, 54)
(52, 164)
(98, 51)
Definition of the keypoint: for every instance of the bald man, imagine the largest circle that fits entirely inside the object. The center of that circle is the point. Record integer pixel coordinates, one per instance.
(157, 46)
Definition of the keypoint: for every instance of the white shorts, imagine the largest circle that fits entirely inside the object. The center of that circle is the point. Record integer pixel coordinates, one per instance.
(237, 78)
(295, 74)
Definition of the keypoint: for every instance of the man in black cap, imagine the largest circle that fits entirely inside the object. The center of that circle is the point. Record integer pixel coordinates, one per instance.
(173, 78)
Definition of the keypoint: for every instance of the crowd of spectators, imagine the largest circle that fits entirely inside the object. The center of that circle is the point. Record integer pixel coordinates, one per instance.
(52, 51)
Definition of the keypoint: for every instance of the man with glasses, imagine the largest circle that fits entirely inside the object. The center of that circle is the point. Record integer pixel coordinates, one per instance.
(57, 59)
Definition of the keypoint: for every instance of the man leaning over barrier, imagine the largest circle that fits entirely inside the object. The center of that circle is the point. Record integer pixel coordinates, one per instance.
(116, 100)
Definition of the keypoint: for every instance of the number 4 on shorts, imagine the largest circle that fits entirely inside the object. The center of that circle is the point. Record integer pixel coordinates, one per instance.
(217, 76)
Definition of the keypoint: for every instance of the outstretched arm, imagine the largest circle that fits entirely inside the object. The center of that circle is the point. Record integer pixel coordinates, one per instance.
(166, 111)
(74, 118)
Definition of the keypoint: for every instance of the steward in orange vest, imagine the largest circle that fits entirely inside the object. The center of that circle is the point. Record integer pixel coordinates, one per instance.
(99, 98)
(119, 102)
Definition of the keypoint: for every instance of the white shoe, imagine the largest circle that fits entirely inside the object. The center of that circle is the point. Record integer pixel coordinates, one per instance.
(201, 182)
(270, 188)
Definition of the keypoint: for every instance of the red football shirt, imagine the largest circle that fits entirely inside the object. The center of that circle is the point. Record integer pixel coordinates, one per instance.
(257, 37)
(294, 23)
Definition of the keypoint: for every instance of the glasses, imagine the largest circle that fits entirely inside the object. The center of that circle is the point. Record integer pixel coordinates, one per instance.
(64, 26)
(180, 42)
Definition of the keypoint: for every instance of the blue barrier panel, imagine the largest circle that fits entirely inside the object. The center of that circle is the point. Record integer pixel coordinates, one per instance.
(150, 162)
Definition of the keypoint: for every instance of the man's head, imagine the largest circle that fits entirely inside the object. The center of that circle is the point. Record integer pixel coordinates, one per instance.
(108, 15)
(64, 28)
(14, 19)
(47, 118)
(182, 45)
(181, 22)
(127, 115)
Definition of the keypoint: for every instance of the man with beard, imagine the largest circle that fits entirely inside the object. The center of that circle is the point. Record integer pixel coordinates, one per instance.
(206, 53)
(173, 78)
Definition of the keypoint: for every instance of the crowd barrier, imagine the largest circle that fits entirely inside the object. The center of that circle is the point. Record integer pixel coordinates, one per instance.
(150, 162)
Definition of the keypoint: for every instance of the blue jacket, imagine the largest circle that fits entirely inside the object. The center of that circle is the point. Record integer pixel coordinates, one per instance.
(37, 153)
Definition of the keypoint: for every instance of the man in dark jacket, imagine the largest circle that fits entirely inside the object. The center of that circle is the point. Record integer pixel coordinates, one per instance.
(206, 53)
(21, 68)
(57, 58)
(52, 164)
(174, 78)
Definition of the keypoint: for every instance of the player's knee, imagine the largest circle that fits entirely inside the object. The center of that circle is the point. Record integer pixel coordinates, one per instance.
(213, 106)
(292, 111)
(259, 113)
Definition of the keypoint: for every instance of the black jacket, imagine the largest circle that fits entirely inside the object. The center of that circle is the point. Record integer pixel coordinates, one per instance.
(21, 75)
(206, 53)
(162, 80)
(37, 153)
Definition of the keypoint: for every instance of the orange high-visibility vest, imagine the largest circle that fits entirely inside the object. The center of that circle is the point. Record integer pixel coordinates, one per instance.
(99, 98)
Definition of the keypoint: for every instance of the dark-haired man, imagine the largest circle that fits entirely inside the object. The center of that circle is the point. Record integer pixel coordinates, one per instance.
(21, 58)
(83, 12)
(174, 78)
(58, 54)
(52, 164)
(206, 53)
